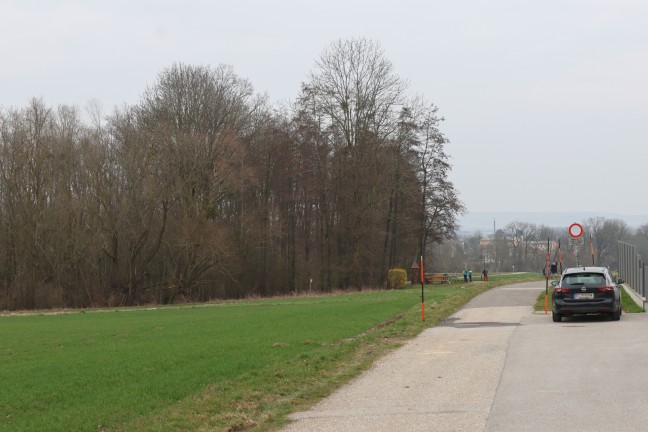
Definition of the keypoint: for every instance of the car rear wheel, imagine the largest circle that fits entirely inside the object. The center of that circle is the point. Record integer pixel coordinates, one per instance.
(556, 317)
(616, 315)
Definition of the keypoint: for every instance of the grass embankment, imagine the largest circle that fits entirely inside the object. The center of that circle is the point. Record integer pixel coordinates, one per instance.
(230, 366)
(628, 304)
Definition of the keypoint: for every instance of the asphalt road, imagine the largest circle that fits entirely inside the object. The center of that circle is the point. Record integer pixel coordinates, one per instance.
(496, 366)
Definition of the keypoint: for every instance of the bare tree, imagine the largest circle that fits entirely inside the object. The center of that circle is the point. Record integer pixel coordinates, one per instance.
(605, 234)
(134, 207)
(315, 144)
(388, 167)
(643, 230)
(354, 94)
(355, 87)
(25, 153)
(440, 201)
(522, 236)
(204, 118)
(44, 213)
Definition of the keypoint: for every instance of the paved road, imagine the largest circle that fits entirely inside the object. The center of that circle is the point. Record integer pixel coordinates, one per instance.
(496, 366)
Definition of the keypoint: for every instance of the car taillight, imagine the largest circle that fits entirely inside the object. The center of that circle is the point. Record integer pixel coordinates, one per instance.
(561, 290)
(606, 288)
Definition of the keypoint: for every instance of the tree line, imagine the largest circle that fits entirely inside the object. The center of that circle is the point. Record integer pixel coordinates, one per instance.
(522, 246)
(203, 190)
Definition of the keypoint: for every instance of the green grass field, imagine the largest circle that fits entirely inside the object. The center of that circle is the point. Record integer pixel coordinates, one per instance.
(230, 366)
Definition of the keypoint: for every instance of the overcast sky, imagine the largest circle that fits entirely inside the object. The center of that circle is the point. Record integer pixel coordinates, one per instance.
(546, 102)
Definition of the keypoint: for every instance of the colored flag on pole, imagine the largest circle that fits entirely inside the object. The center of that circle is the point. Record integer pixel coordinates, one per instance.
(592, 249)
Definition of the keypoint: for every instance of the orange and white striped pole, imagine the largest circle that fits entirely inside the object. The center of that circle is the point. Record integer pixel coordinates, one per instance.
(422, 273)
(547, 280)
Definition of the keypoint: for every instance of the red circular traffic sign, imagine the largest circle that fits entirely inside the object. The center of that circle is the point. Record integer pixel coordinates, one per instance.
(575, 230)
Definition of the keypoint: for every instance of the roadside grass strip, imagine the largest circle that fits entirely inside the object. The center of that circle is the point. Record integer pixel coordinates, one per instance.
(240, 365)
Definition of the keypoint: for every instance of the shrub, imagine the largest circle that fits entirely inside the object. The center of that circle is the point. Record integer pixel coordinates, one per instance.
(396, 278)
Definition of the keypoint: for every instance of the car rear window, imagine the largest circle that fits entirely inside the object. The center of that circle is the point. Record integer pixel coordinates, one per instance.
(589, 279)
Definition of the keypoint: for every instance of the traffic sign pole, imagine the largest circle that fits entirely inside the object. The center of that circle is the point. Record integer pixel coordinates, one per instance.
(547, 280)
(576, 233)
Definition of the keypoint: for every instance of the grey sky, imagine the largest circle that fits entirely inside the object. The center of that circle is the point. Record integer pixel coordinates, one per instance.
(546, 102)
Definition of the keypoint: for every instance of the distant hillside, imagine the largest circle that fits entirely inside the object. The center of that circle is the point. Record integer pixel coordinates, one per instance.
(473, 222)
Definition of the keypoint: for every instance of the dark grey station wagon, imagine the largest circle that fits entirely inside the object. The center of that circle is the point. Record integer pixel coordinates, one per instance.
(586, 290)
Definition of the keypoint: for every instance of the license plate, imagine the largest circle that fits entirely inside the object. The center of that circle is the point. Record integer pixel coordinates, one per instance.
(583, 296)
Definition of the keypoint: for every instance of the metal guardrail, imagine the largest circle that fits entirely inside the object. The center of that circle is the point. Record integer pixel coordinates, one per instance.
(632, 268)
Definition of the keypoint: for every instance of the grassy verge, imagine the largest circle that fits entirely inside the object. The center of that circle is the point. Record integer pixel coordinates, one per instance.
(540, 301)
(230, 366)
(628, 304)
